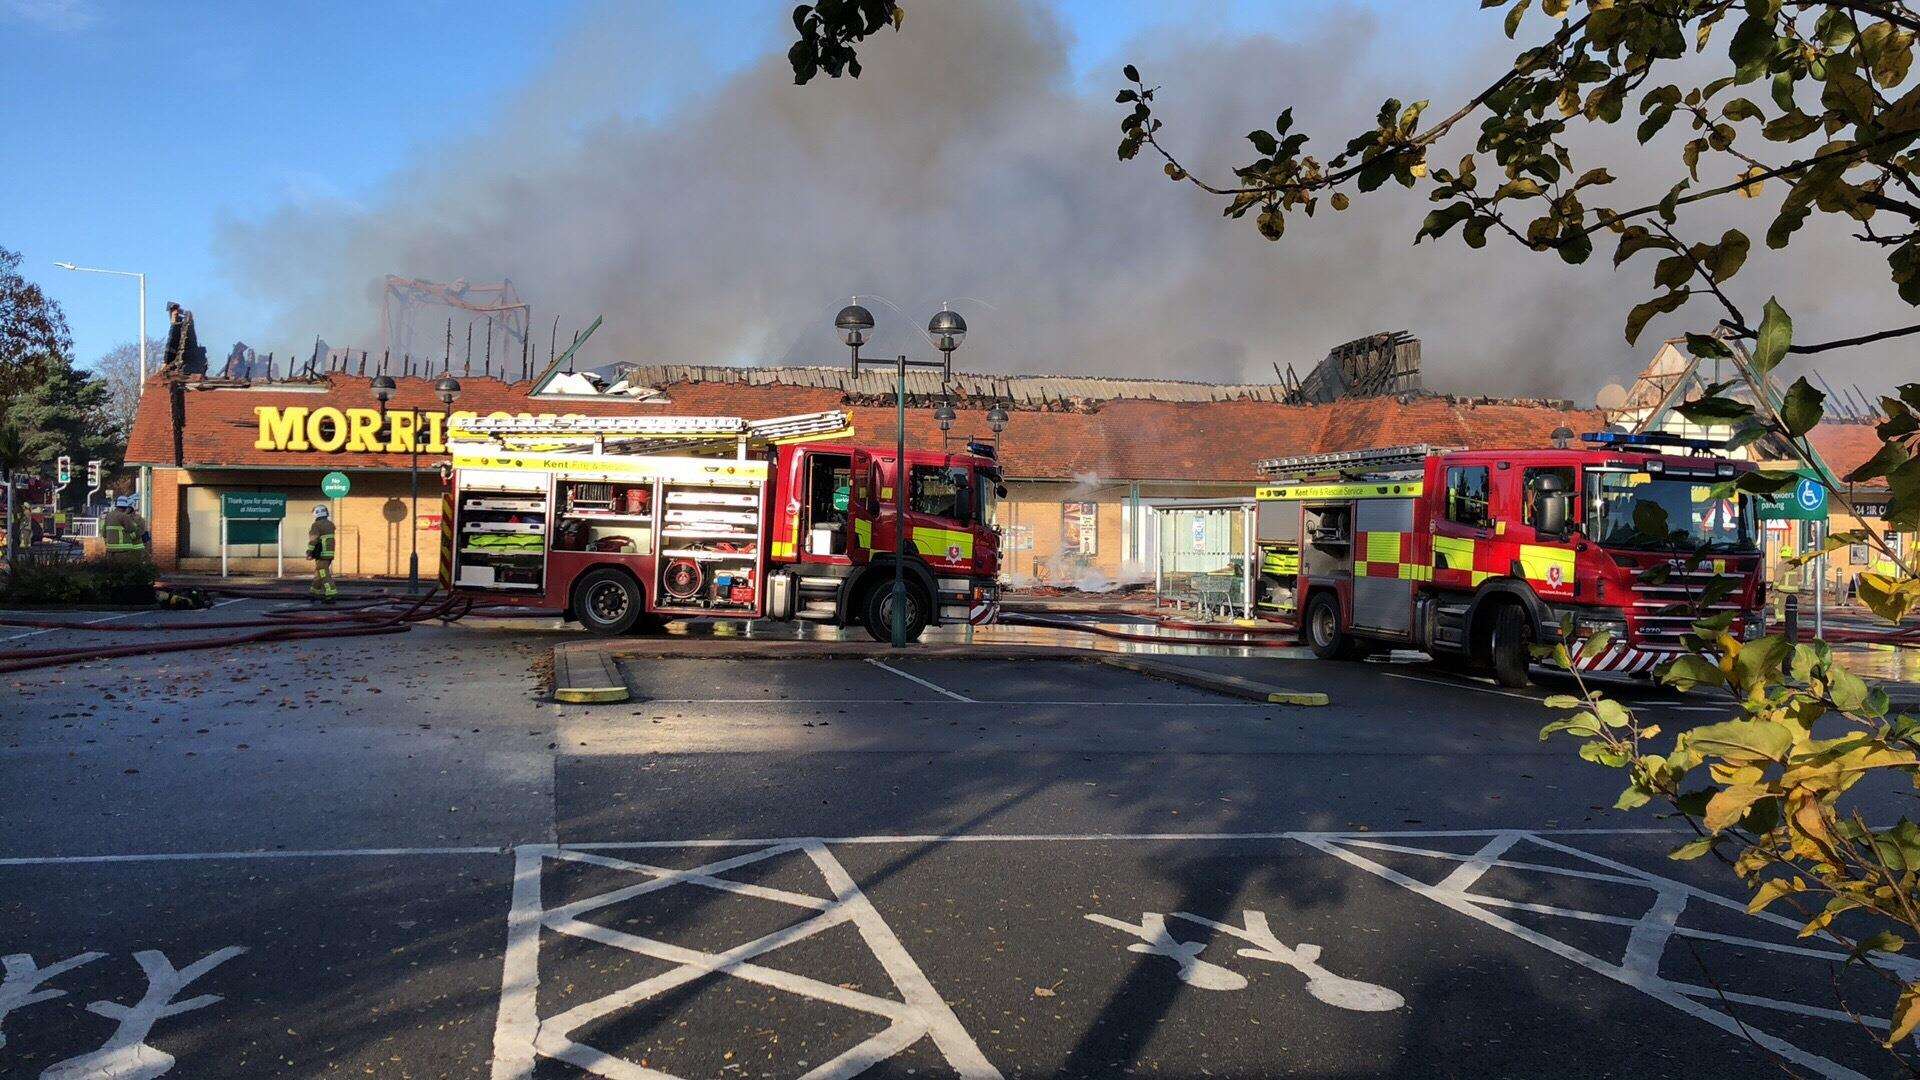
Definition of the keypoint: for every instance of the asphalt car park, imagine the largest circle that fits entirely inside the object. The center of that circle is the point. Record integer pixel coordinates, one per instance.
(393, 857)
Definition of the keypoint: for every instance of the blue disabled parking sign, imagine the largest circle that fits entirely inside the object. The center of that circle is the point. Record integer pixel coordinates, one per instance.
(1805, 501)
(1810, 497)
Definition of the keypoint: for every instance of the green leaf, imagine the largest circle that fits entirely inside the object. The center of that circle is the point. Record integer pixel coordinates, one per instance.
(1659, 305)
(1263, 142)
(1802, 408)
(1707, 346)
(1743, 741)
(1776, 334)
(1885, 941)
(1132, 73)
(1564, 701)
(1673, 271)
(1612, 713)
(1889, 457)
(1848, 691)
(1759, 660)
(1693, 849)
(1688, 671)
(1725, 258)
(1513, 17)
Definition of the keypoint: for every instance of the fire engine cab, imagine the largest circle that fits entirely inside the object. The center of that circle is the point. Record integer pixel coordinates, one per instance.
(625, 523)
(1475, 555)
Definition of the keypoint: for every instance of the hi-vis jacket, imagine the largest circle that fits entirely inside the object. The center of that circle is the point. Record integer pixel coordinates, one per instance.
(320, 540)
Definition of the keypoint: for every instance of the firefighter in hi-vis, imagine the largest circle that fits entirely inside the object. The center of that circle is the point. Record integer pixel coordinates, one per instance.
(320, 550)
(123, 531)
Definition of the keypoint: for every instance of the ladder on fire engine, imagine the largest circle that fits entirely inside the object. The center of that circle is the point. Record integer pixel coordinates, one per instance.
(1351, 464)
(652, 434)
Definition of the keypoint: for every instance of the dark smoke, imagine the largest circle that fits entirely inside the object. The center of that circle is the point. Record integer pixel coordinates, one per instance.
(968, 165)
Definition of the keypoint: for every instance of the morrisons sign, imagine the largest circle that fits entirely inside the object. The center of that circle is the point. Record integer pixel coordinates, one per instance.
(358, 431)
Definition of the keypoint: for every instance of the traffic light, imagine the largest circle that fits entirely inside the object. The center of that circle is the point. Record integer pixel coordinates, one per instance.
(93, 475)
(63, 470)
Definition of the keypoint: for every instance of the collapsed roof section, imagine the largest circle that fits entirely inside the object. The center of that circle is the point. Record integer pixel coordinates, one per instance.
(1377, 365)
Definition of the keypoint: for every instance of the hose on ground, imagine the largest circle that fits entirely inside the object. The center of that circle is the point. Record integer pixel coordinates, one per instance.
(394, 619)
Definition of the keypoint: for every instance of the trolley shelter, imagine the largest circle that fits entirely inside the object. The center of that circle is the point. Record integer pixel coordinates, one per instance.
(253, 519)
(1207, 556)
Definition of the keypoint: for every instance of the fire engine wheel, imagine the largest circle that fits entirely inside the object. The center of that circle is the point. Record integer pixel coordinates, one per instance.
(1509, 650)
(608, 602)
(877, 613)
(1325, 636)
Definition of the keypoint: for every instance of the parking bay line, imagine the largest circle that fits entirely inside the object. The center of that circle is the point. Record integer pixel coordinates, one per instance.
(508, 848)
(936, 687)
(89, 622)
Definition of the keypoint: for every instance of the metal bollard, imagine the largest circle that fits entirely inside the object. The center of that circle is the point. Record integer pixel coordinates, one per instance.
(1793, 618)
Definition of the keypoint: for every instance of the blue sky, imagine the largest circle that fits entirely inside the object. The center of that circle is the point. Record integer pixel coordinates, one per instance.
(136, 134)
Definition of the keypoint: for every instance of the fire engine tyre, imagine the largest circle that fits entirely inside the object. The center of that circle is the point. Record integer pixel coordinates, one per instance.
(608, 602)
(1509, 651)
(1325, 636)
(876, 614)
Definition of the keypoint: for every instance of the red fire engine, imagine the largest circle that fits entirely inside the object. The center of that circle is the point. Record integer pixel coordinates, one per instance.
(625, 523)
(1472, 556)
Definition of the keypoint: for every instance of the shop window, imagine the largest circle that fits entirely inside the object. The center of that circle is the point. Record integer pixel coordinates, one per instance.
(1467, 496)
(201, 537)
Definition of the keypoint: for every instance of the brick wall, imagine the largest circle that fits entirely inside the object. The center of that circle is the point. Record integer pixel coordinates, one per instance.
(164, 523)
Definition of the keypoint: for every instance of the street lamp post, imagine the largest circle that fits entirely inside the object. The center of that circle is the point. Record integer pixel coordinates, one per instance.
(854, 322)
(146, 507)
(945, 416)
(447, 389)
(143, 307)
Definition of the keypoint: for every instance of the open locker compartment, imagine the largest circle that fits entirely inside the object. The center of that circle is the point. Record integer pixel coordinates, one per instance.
(710, 559)
(501, 521)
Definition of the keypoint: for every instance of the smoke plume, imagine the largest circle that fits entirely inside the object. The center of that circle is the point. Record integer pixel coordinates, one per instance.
(970, 165)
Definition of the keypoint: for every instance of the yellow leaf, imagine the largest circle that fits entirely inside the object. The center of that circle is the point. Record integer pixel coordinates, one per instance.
(1751, 189)
(1339, 200)
(1906, 1014)
(1729, 805)
(1771, 890)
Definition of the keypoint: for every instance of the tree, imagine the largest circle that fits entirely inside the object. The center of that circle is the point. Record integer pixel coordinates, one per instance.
(65, 412)
(32, 327)
(1815, 98)
(120, 371)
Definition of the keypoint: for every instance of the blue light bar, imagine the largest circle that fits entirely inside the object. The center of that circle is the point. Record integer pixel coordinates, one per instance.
(1650, 439)
(980, 449)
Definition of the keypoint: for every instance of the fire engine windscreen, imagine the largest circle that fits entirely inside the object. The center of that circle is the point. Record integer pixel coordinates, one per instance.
(1639, 510)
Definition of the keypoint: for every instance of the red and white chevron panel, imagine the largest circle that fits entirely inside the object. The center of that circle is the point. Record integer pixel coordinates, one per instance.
(1620, 660)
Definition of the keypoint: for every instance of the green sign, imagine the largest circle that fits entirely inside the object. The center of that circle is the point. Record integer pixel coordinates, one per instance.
(253, 505)
(335, 485)
(1804, 501)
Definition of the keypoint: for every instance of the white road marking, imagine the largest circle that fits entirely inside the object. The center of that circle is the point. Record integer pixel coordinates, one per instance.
(191, 856)
(126, 1054)
(1338, 991)
(1638, 968)
(1156, 941)
(522, 1037)
(937, 688)
(20, 987)
(834, 841)
(88, 622)
(519, 1019)
(1460, 685)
